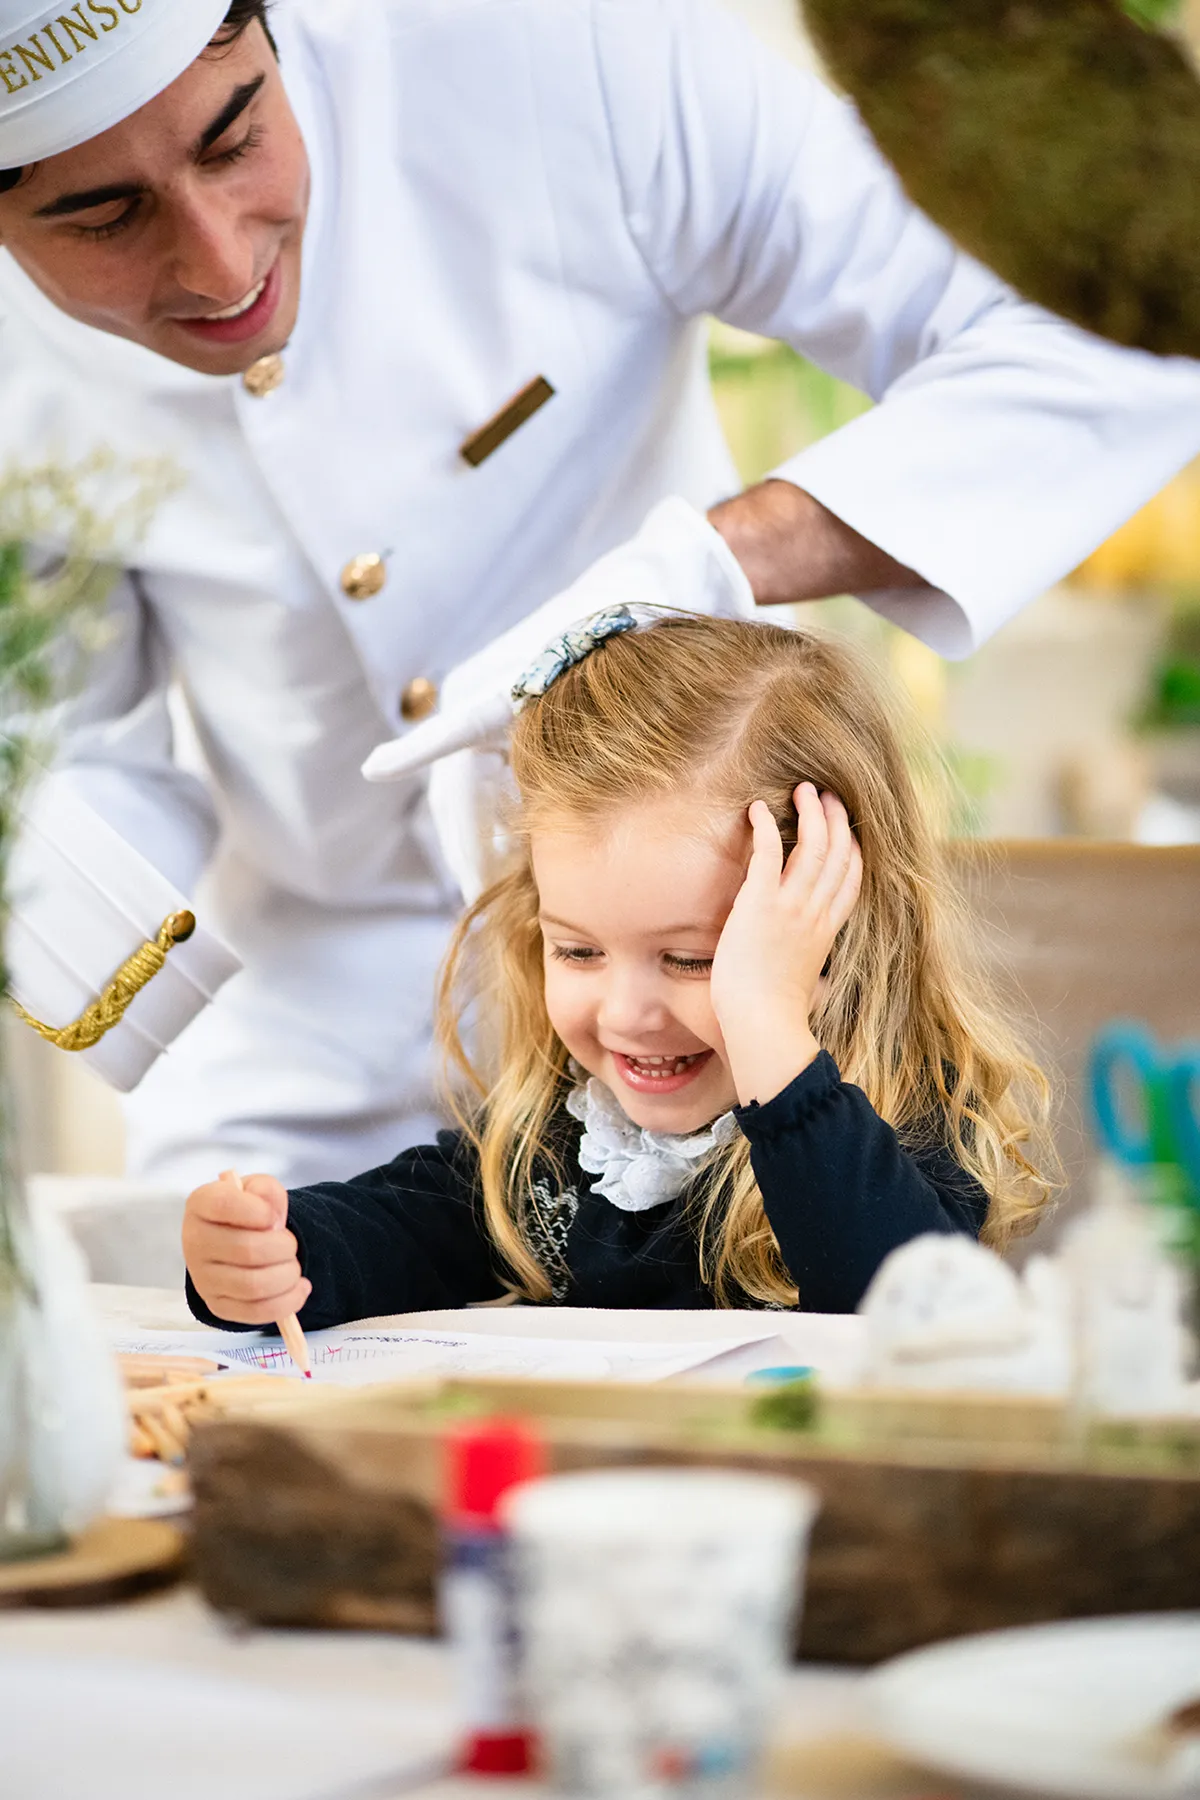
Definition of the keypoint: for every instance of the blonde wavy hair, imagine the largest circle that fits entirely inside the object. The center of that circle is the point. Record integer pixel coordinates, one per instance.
(729, 712)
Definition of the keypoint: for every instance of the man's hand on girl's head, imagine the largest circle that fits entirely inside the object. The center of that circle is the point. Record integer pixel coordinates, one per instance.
(780, 930)
(239, 1252)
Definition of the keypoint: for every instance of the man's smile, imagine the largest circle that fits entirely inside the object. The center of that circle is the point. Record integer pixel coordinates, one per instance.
(235, 311)
(245, 319)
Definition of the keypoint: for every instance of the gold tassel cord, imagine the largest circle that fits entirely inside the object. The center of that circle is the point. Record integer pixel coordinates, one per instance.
(134, 974)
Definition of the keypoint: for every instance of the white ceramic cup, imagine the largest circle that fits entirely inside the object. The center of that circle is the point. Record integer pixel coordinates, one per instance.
(657, 1608)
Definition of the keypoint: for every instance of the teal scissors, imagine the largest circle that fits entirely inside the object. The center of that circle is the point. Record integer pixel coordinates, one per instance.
(1146, 1101)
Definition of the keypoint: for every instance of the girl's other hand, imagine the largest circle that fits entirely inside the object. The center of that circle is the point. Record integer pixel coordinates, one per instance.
(777, 938)
(239, 1252)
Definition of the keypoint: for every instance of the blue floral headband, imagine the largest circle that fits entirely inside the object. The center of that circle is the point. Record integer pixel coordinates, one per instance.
(571, 648)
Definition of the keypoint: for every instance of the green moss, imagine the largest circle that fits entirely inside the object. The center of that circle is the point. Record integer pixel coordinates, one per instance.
(1149, 1446)
(793, 1406)
(1057, 140)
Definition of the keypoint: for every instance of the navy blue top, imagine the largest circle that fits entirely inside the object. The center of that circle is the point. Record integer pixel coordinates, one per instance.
(839, 1188)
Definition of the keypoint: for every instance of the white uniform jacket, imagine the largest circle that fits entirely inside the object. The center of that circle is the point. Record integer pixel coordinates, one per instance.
(504, 189)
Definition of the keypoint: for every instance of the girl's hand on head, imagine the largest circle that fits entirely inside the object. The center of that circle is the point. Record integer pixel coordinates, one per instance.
(777, 938)
(239, 1252)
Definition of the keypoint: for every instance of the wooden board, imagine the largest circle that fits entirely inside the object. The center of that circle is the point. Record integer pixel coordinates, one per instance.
(113, 1560)
(330, 1518)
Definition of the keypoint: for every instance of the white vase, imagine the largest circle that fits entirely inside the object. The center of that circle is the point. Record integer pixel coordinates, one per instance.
(62, 1425)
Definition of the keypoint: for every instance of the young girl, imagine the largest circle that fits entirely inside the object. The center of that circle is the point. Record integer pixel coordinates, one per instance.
(728, 1044)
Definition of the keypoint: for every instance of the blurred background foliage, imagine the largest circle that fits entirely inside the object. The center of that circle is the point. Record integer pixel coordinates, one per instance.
(1083, 715)
(1153, 12)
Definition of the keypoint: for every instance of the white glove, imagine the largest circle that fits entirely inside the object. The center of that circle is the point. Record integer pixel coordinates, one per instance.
(676, 562)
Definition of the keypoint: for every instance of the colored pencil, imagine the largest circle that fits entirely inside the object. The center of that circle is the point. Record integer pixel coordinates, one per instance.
(289, 1326)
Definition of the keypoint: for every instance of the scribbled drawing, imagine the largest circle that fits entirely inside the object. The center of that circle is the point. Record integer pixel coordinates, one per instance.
(273, 1359)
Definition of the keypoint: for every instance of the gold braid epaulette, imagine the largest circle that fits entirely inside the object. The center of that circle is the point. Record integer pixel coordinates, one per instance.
(133, 975)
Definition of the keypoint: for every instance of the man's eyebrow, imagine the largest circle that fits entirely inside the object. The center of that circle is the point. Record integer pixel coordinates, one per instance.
(101, 196)
(83, 201)
(233, 109)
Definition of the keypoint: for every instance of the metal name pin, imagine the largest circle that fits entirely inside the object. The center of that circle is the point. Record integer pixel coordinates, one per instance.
(487, 440)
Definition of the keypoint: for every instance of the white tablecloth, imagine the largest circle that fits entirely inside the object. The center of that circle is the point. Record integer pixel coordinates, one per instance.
(823, 1752)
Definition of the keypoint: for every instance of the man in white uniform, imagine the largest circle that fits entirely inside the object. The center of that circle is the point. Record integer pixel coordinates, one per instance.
(308, 269)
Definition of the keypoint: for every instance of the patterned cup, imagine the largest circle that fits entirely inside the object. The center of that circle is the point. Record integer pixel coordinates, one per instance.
(656, 1608)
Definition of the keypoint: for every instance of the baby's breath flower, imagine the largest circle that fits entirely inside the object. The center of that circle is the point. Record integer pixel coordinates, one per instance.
(65, 532)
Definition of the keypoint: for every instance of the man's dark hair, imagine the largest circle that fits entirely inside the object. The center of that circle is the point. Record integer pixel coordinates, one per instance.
(240, 16)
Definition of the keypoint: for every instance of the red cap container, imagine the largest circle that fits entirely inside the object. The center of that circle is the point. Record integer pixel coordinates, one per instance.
(484, 1460)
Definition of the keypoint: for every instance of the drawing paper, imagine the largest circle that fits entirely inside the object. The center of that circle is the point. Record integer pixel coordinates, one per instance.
(353, 1356)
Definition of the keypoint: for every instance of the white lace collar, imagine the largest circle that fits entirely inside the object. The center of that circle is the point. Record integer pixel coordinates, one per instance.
(638, 1169)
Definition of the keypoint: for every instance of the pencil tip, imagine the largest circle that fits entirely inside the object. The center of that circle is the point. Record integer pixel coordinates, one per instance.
(308, 1374)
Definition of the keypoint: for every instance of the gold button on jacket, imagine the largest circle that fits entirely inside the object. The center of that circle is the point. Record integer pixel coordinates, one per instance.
(264, 376)
(418, 700)
(364, 576)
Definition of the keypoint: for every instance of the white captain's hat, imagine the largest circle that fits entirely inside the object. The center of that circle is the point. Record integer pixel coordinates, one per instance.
(70, 71)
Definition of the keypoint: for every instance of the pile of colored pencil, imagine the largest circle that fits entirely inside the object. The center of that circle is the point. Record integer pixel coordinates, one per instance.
(165, 1396)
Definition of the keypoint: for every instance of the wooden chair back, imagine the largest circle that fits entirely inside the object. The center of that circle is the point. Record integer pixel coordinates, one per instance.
(1085, 933)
